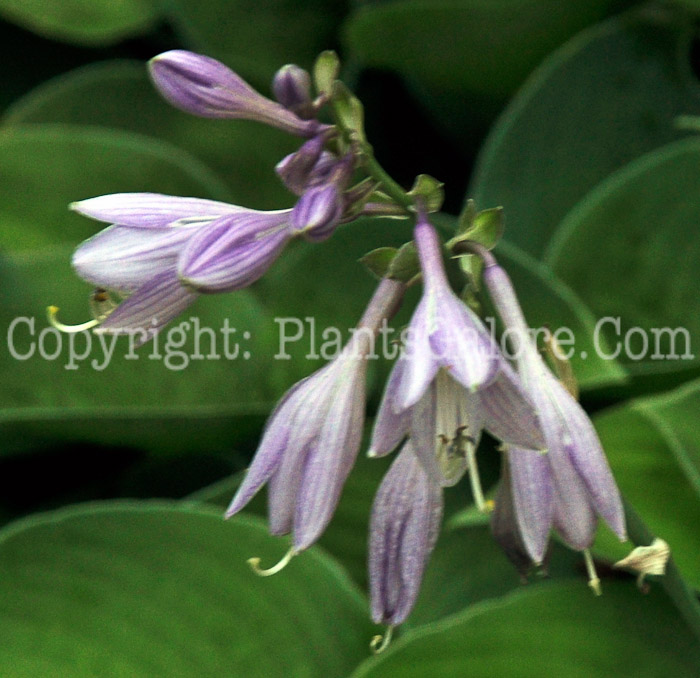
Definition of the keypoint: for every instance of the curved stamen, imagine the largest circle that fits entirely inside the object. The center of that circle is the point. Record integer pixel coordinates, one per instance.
(380, 642)
(593, 580)
(51, 313)
(255, 564)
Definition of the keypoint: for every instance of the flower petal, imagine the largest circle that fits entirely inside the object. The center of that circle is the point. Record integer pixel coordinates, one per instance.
(153, 305)
(275, 439)
(532, 489)
(462, 344)
(334, 454)
(508, 412)
(404, 526)
(150, 210)
(391, 423)
(420, 363)
(122, 258)
(586, 454)
(234, 251)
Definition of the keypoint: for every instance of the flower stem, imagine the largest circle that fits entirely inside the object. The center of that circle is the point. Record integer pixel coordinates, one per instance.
(388, 185)
(683, 596)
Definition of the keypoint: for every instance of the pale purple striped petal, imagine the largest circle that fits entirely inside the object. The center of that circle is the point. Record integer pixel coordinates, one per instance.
(318, 212)
(532, 489)
(153, 305)
(123, 259)
(149, 210)
(278, 431)
(461, 344)
(508, 412)
(583, 447)
(504, 524)
(304, 421)
(234, 251)
(391, 423)
(332, 456)
(421, 365)
(205, 87)
(404, 526)
(574, 517)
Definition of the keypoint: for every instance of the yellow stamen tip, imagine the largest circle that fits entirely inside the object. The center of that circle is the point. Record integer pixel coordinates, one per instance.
(255, 564)
(380, 642)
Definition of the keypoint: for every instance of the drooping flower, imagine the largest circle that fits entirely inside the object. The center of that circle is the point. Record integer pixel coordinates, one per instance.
(451, 382)
(404, 527)
(569, 487)
(163, 251)
(312, 437)
(205, 87)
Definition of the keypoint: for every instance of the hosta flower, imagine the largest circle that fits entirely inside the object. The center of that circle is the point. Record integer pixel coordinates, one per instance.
(312, 438)
(569, 487)
(451, 383)
(404, 527)
(203, 86)
(163, 251)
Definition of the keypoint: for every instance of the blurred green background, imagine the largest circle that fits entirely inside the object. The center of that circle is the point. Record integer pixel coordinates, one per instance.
(576, 116)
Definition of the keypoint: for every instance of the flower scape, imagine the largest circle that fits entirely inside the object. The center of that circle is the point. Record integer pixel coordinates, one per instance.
(451, 382)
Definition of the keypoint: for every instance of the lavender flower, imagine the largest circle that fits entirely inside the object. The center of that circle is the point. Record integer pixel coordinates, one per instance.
(404, 527)
(572, 484)
(203, 86)
(451, 382)
(312, 438)
(163, 251)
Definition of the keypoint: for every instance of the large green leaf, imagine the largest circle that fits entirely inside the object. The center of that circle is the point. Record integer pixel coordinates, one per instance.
(46, 167)
(258, 38)
(346, 536)
(161, 399)
(547, 632)
(464, 57)
(155, 589)
(629, 250)
(82, 22)
(652, 445)
(607, 96)
(119, 94)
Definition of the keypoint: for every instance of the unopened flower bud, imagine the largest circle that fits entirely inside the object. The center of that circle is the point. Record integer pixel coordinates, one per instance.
(318, 212)
(203, 86)
(295, 170)
(292, 88)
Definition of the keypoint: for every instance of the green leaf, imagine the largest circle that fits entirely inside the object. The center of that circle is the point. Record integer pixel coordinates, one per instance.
(325, 71)
(46, 167)
(652, 445)
(463, 47)
(155, 398)
(82, 22)
(379, 260)
(468, 566)
(346, 536)
(156, 589)
(549, 631)
(629, 250)
(604, 98)
(255, 38)
(119, 94)
(547, 301)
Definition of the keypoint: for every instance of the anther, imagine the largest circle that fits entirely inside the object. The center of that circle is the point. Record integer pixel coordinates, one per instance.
(255, 564)
(593, 580)
(380, 642)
